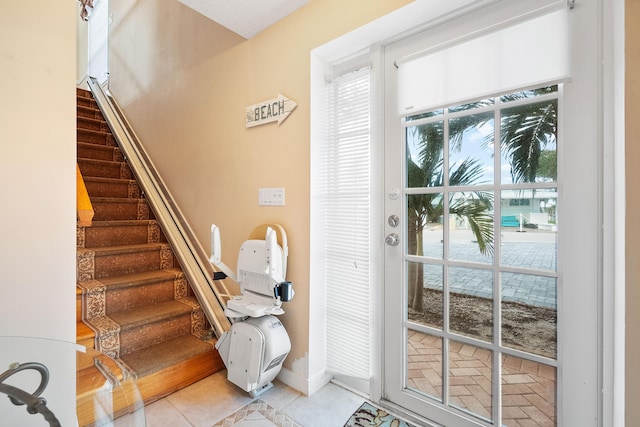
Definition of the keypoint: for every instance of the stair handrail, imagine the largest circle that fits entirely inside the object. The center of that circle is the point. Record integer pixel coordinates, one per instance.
(191, 256)
(84, 207)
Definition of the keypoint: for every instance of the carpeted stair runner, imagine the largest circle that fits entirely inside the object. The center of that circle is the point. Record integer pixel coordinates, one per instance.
(133, 294)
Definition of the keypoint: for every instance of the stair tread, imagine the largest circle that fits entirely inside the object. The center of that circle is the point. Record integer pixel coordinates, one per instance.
(137, 279)
(93, 131)
(120, 223)
(99, 133)
(107, 180)
(105, 168)
(89, 111)
(116, 199)
(97, 161)
(124, 249)
(85, 101)
(95, 146)
(83, 93)
(157, 357)
(86, 107)
(90, 119)
(150, 314)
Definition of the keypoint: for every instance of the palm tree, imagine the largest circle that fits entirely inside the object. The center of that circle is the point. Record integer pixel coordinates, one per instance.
(474, 206)
(423, 209)
(526, 131)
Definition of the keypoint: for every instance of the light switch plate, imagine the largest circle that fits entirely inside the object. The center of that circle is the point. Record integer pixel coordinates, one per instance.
(271, 196)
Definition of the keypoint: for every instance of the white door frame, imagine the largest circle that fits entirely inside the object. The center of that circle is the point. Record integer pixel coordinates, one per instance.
(608, 36)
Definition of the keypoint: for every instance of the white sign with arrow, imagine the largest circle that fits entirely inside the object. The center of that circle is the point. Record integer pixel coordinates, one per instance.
(273, 110)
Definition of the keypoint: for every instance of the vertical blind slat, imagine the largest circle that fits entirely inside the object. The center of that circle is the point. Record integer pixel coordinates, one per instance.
(346, 183)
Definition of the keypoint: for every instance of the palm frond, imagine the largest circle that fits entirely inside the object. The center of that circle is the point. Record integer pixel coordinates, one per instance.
(460, 125)
(477, 208)
(467, 172)
(525, 132)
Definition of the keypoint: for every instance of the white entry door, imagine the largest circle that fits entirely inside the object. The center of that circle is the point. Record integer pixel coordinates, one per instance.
(492, 226)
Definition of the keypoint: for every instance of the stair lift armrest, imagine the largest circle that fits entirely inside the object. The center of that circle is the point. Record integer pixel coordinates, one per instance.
(272, 270)
(216, 257)
(219, 275)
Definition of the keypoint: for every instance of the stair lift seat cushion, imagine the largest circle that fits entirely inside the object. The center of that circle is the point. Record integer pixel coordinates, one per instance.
(252, 305)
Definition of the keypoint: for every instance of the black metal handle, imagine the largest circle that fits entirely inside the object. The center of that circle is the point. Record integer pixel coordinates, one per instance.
(35, 404)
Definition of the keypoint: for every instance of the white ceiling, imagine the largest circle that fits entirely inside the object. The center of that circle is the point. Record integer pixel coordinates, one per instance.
(245, 17)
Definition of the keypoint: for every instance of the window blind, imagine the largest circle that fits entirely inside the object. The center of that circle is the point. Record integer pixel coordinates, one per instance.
(346, 209)
(527, 54)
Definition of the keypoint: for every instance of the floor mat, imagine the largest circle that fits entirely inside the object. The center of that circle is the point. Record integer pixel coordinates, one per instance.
(370, 416)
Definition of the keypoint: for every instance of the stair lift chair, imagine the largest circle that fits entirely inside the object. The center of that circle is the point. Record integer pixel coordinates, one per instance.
(255, 347)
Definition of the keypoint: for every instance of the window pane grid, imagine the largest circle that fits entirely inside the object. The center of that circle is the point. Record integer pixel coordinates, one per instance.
(513, 205)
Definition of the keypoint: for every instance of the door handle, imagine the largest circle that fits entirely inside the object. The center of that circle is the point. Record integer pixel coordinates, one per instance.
(392, 239)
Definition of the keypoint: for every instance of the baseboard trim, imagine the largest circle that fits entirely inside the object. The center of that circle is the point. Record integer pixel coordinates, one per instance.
(306, 386)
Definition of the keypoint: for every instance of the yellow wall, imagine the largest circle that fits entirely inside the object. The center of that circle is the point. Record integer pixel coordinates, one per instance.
(37, 170)
(632, 131)
(184, 82)
(37, 190)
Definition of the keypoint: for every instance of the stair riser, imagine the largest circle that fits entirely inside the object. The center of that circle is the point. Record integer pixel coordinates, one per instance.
(124, 210)
(91, 408)
(122, 189)
(132, 297)
(139, 262)
(99, 152)
(88, 343)
(88, 112)
(86, 102)
(97, 237)
(95, 137)
(84, 336)
(86, 362)
(92, 124)
(150, 334)
(104, 169)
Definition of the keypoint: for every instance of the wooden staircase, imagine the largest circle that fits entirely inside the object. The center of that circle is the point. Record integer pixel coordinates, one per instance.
(133, 301)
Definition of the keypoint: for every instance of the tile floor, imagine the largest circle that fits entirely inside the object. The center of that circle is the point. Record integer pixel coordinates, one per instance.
(528, 393)
(212, 399)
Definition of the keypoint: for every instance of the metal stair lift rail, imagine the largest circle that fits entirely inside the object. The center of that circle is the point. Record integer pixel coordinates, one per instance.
(191, 256)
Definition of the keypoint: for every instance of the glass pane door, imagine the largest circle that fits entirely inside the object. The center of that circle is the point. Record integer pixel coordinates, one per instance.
(494, 282)
(479, 267)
